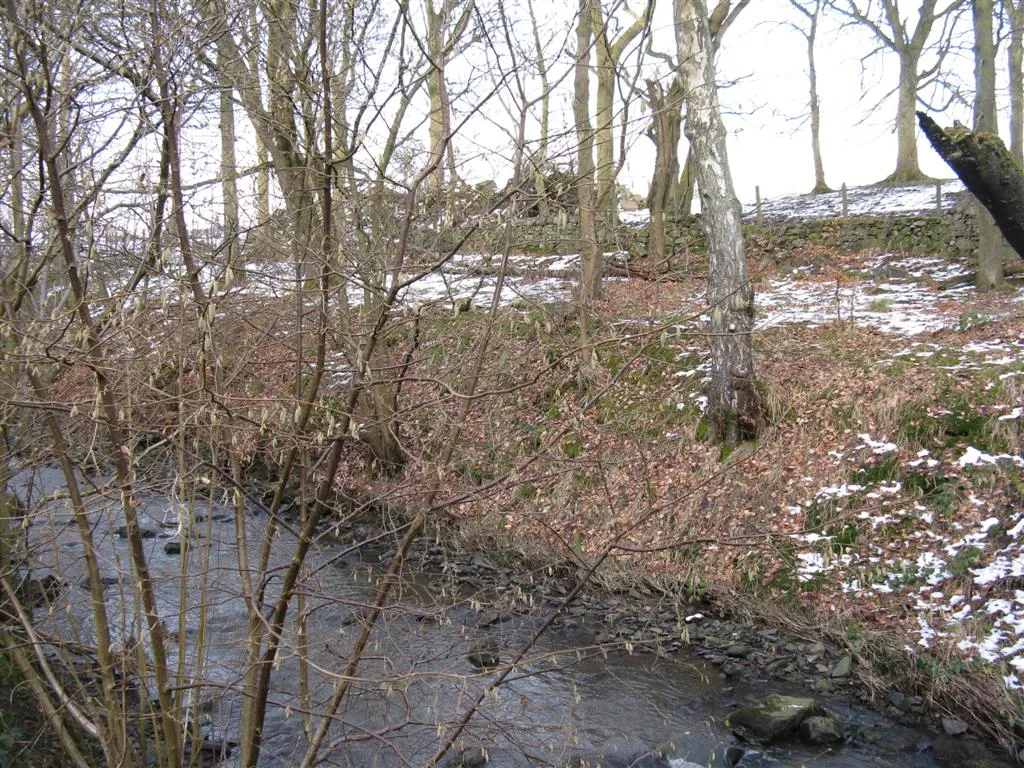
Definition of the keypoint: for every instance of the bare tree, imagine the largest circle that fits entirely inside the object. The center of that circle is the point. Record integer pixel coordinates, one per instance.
(609, 49)
(811, 11)
(540, 162)
(889, 23)
(734, 407)
(445, 27)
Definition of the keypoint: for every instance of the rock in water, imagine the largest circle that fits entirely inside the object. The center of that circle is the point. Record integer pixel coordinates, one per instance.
(470, 757)
(774, 718)
(484, 654)
(821, 730)
(629, 757)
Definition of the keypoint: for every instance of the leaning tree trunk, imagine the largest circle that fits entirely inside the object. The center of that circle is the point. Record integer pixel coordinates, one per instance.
(988, 170)
(734, 403)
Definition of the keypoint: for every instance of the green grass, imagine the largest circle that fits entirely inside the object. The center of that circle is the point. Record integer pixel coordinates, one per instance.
(885, 471)
(947, 422)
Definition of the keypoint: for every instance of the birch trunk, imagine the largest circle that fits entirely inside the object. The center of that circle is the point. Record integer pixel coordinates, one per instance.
(734, 403)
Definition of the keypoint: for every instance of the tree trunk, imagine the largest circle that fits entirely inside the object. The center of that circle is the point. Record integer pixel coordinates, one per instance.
(907, 167)
(541, 162)
(734, 403)
(604, 129)
(436, 90)
(812, 76)
(685, 187)
(228, 172)
(988, 170)
(608, 54)
(990, 247)
(721, 19)
(664, 132)
(590, 257)
(1015, 61)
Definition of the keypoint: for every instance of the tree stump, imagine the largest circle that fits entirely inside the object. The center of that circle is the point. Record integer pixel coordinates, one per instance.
(988, 170)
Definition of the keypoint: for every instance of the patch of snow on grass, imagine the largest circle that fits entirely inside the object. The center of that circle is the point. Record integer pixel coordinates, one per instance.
(973, 457)
(877, 446)
(861, 201)
(902, 309)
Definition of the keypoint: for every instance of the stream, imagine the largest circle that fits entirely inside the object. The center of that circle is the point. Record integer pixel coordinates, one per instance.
(568, 697)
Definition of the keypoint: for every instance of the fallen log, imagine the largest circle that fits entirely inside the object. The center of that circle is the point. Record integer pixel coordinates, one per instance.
(988, 170)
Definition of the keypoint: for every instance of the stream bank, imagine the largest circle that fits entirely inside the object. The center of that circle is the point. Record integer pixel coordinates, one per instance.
(614, 672)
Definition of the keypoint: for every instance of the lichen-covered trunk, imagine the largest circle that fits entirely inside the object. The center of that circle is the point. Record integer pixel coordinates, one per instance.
(734, 402)
(989, 172)
(683, 194)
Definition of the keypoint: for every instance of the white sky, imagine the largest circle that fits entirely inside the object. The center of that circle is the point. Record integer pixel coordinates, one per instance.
(765, 107)
(766, 103)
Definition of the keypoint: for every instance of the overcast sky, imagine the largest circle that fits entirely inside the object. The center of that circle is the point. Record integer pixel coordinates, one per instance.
(769, 143)
(764, 64)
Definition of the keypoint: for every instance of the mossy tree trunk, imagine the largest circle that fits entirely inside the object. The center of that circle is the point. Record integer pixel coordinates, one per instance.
(988, 170)
(608, 50)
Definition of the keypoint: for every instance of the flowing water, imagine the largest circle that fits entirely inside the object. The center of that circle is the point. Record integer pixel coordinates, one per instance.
(415, 681)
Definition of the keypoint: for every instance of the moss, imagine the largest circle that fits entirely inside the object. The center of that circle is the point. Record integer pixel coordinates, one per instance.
(885, 471)
(952, 420)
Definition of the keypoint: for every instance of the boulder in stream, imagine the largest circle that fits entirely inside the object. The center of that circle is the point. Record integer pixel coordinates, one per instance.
(484, 654)
(627, 758)
(469, 757)
(819, 729)
(774, 718)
